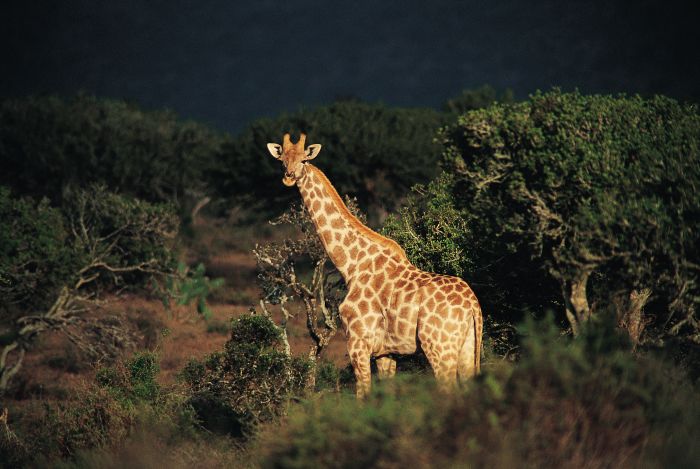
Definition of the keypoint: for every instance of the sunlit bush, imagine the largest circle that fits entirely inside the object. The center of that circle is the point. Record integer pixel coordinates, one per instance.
(250, 381)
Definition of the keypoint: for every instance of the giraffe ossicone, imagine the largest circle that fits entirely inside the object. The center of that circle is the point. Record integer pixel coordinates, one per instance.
(392, 307)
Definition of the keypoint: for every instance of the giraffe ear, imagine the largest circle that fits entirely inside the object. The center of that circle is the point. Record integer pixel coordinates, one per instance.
(312, 151)
(275, 150)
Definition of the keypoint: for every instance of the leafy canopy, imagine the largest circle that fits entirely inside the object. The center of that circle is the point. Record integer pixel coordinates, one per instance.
(566, 188)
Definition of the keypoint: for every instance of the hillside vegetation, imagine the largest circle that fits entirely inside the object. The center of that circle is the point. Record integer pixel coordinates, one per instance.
(575, 219)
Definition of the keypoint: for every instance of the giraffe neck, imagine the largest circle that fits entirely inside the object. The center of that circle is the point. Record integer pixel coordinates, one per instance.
(344, 237)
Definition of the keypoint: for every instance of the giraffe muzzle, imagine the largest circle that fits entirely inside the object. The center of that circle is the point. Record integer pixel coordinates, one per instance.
(289, 180)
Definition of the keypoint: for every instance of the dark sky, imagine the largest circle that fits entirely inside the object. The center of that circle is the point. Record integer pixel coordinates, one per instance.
(227, 62)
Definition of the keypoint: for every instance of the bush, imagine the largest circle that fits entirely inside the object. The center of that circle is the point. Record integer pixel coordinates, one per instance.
(372, 152)
(586, 402)
(250, 381)
(124, 399)
(567, 200)
(36, 256)
(55, 262)
(43, 248)
(48, 144)
(132, 382)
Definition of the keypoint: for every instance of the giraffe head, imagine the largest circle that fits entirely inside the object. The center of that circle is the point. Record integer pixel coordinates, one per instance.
(293, 156)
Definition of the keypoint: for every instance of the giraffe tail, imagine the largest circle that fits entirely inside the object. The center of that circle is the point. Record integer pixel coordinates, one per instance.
(478, 333)
(470, 354)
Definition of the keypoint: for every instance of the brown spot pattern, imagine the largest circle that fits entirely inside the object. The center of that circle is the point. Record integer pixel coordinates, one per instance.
(380, 261)
(354, 295)
(339, 257)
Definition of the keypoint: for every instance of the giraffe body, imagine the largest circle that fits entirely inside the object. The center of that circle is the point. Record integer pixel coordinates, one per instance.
(391, 307)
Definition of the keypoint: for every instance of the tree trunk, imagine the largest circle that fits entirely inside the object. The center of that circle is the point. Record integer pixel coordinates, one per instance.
(630, 314)
(577, 309)
(311, 378)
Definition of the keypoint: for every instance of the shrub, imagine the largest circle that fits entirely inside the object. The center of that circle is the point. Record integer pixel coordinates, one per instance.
(125, 401)
(568, 200)
(134, 381)
(191, 285)
(586, 402)
(54, 263)
(48, 144)
(97, 419)
(298, 269)
(327, 376)
(36, 256)
(248, 382)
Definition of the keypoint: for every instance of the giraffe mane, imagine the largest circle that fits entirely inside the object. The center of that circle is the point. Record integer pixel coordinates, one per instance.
(393, 246)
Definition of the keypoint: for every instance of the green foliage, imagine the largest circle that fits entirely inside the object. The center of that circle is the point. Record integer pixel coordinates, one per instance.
(477, 98)
(586, 402)
(36, 257)
(95, 232)
(48, 144)
(43, 249)
(565, 189)
(121, 232)
(191, 285)
(327, 376)
(253, 331)
(124, 399)
(132, 382)
(371, 152)
(250, 381)
(432, 230)
(55, 262)
(66, 428)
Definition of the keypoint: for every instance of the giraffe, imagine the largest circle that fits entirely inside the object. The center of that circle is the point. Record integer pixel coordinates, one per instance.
(391, 307)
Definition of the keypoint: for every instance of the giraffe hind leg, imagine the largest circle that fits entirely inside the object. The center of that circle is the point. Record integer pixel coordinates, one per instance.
(443, 362)
(470, 353)
(386, 367)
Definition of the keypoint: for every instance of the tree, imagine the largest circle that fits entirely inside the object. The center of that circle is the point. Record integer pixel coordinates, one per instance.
(574, 202)
(299, 271)
(55, 265)
(50, 144)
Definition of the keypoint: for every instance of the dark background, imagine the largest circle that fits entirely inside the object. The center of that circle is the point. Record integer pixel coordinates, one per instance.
(227, 62)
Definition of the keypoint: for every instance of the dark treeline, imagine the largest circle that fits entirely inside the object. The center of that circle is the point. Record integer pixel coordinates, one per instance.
(374, 153)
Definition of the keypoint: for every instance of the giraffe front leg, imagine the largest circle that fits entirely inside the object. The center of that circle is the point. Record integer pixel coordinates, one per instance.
(386, 367)
(359, 352)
